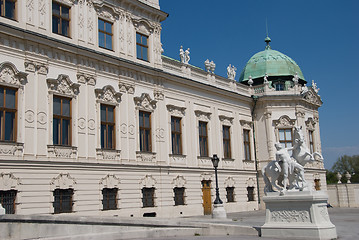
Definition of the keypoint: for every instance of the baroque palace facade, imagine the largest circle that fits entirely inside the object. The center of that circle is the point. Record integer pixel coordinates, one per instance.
(96, 121)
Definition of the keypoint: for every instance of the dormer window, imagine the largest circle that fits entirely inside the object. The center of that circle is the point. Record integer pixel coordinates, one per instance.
(142, 46)
(105, 34)
(8, 9)
(60, 19)
(279, 86)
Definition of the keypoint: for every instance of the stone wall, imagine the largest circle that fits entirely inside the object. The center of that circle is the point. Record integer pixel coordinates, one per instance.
(343, 195)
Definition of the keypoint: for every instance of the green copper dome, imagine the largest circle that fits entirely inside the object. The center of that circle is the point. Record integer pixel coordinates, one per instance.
(270, 62)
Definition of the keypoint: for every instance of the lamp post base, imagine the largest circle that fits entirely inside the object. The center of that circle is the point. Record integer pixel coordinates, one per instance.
(219, 211)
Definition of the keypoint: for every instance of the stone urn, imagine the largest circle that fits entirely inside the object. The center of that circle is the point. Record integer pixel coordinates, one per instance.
(339, 176)
(348, 177)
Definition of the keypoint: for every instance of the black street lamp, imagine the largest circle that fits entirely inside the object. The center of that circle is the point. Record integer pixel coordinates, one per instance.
(215, 161)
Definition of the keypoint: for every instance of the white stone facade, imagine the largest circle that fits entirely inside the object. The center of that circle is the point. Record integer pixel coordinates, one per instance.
(40, 64)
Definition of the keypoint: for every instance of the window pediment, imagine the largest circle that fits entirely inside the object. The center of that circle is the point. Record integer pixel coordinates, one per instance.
(225, 120)
(8, 181)
(148, 181)
(284, 122)
(145, 102)
(229, 182)
(203, 116)
(143, 26)
(246, 124)
(176, 111)
(310, 124)
(63, 181)
(63, 85)
(179, 181)
(106, 11)
(10, 75)
(108, 95)
(110, 181)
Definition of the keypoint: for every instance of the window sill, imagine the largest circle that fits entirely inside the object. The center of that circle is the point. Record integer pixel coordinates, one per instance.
(145, 156)
(58, 151)
(228, 159)
(108, 154)
(11, 148)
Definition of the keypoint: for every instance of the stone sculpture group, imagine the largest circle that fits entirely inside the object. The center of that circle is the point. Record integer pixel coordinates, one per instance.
(184, 55)
(286, 172)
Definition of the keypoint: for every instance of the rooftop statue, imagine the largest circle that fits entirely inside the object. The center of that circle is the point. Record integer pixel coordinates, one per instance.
(181, 54)
(231, 72)
(287, 172)
(186, 56)
(314, 86)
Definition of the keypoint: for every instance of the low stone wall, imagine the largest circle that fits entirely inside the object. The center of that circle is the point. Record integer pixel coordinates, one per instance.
(343, 194)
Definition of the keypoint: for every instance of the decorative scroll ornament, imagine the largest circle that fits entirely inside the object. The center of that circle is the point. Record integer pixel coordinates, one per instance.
(176, 111)
(108, 95)
(148, 181)
(145, 102)
(310, 124)
(158, 94)
(8, 181)
(106, 11)
(63, 181)
(246, 124)
(126, 87)
(284, 121)
(203, 116)
(10, 75)
(86, 78)
(63, 85)
(179, 181)
(229, 182)
(110, 181)
(312, 97)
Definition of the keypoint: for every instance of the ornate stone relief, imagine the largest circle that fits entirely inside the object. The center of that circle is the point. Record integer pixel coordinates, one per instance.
(145, 102)
(110, 181)
(108, 95)
(312, 97)
(284, 121)
(32, 66)
(42, 12)
(300, 114)
(148, 181)
(11, 149)
(29, 116)
(106, 11)
(160, 134)
(203, 116)
(9, 182)
(229, 182)
(146, 157)
(176, 111)
(63, 85)
(246, 124)
(158, 94)
(10, 75)
(30, 10)
(250, 182)
(82, 124)
(177, 159)
(127, 87)
(41, 118)
(143, 26)
(86, 78)
(61, 151)
(226, 120)
(108, 154)
(63, 181)
(310, 124)
(179, 181)
(290, 216)
(206, 177)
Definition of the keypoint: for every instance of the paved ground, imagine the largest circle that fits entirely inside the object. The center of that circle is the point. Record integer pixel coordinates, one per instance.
(346, 221)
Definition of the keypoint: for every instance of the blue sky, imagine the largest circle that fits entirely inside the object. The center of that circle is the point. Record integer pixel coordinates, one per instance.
(321, 36)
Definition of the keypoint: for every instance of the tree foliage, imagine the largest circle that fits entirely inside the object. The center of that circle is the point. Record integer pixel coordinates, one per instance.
(345, 164)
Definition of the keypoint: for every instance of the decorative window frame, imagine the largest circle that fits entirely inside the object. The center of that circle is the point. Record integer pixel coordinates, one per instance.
(110, 181)
(180, 182)
(69, 4)
(204, 117)
(227, 121)
(8, 181)
(62, 86)
(229, 182)
(179, 112)
(247, 125)
(144, 27)
(147, 104)
(63, 181)
(108, 96)
(250, 182)
(11, 77)
(149, 182)
(284, 122)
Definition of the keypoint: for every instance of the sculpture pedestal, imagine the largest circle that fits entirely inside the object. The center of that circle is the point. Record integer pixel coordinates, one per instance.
(219, 211)
(298, 215)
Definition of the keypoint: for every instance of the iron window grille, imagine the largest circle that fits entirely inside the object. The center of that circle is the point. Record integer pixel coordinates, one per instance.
(230, 194)
(179, 195)
(250, 194)
(63, 200)
(8, 201)
(109, 201)
(148, 197)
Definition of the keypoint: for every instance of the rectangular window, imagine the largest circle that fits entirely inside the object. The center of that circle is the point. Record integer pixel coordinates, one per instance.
(145, 131)
(311, 141)
(109, 200)
(62, 121)
(60, 19)
(285, 137)
(250, 194)
(230, 194)
(226, 142)
(179, 195)
(105, 34)
(142, 46)
(8, 8)
(63, 200)
(247, 145)
(107, 127)
(176, 135)
(8, 112)
(8, 200)
(203, 139)
(148, 197)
